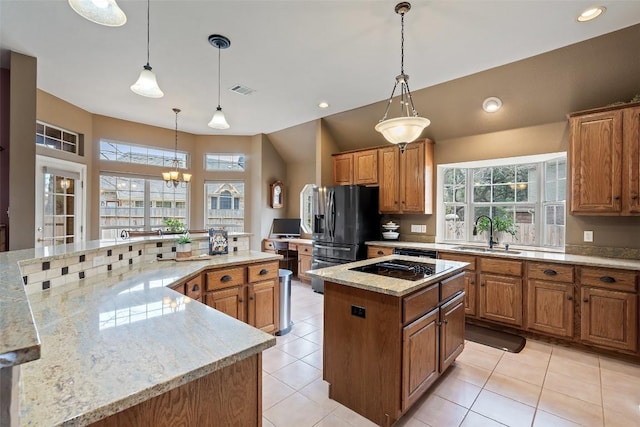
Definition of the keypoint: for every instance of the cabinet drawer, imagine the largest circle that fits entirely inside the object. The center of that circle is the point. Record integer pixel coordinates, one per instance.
(501, 266)
(550, 272)
(293, 246)
(265, 271)
(304, 249)
(415, 305)
(376, 251)
(607, 278)
(460, 258)
(268, 245)
(194, 288)
(451, 286)
(225, 278)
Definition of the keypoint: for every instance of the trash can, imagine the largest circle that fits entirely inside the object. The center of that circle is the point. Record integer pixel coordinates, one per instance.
(284, 327)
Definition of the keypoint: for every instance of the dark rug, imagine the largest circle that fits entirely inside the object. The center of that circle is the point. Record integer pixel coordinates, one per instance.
(496, 339)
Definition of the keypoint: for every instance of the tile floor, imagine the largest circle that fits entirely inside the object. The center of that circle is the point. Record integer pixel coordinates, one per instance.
(543, 385)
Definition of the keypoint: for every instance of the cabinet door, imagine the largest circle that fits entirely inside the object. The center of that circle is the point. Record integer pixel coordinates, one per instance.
(631, 170)
(501, 299)
(389, 179)
(230, 301)
(193, 288)
(343, 169)
(264, 305)
(412, 179)
(420, 354)
(470, 292)
(596, 162)
(365, 167)
(452, 333)
(304, 264)
(609, 318)
(550, 307)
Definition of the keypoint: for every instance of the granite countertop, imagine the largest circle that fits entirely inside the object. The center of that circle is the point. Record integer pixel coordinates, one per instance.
(592, 261)
(386, 285)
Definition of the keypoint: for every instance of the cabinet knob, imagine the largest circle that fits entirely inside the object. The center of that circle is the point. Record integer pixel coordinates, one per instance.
(438, 323)
(472, 282)
(550, 272)
(585, 300)
(634, 197)
(263, 271)
(617, 197)
(446, 321)
(195, 288)
(569, 297)
(225, 278)
(251, 298)
(240, 300)
(481, 284)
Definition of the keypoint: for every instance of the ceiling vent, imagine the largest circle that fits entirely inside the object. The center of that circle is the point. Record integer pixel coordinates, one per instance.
(242, 90)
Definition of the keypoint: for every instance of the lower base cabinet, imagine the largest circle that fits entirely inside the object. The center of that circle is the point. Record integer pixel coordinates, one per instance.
(501, 299)
(550, 307)
(609, 318)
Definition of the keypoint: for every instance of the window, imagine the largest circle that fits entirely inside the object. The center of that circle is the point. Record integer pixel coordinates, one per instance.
(141, 155)
(529, 191)
(225, 203)
(133, 203)
(57, 138)
(224, 162)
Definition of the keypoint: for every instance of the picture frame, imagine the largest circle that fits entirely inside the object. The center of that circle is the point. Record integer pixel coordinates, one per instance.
(277, 195)
(218, 242)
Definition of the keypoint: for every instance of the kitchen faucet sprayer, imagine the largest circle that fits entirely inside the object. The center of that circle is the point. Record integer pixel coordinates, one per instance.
(475, 229)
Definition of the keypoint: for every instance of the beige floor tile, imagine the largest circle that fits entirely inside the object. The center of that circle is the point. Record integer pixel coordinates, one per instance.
(315, 337)
(299, 347)
(521, 371)
(619, 366)
(476, 420)
(301, 329)
(274, 359)
(314, 359)
(503, 409)
(483, 348)
(283, 339)
(577, 356)
(469, 373)
(580, 371)
(473, 356)
(569, 385)
(332, 421)
(267, 423)
(351, 417)
(617, 419)
(438, 412)
(297, 374)
(532, 356)
(620, 381)
(515, 389)
(545, 419)
(539, 346)
(457, 391)
(622, 401)
(407, 421)
(273, 391)
(570, 408)
(316, 320)
(318, 391)
(295, 411)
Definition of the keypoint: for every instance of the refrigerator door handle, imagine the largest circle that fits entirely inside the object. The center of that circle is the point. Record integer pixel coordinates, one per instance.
(333, 215)
(333, 248)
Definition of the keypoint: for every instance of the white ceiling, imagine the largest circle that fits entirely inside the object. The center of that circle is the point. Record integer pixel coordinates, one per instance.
(294, 53)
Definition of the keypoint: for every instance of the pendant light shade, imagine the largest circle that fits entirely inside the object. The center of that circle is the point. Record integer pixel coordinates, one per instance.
(147, 85)
(219, 121)
(103, 12)
(408, 127)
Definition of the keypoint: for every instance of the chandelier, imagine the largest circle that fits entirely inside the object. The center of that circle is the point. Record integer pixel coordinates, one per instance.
(173, 178)
(408, 127)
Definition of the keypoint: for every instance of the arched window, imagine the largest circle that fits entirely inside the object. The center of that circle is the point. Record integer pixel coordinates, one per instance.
(226, 200)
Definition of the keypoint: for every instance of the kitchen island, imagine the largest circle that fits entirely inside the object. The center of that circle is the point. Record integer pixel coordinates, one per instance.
(387, 339)
(120, 347)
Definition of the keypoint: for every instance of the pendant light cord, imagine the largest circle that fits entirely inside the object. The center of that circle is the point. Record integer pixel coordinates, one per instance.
(148, 19)
(402, 44)
(219, 76)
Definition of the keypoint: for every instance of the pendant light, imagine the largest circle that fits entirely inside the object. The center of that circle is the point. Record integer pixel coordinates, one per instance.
(172, 178)
(218, 121)
(146, 85)
(408, 127)
(103, 12)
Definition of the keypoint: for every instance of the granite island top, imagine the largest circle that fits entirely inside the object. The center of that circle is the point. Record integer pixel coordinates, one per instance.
(343, 275)
(116, 339)
(523, 254)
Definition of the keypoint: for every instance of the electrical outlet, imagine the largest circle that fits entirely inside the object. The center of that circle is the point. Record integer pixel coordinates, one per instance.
(588, 236)
(423, 228)
(98, 260)
(358, 311)
(418, 228)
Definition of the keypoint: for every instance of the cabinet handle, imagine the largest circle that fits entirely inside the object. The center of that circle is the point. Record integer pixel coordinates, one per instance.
(195, 288)
(240, 300)
(225, 278)
(472, 282)
(263, 271)
(438, 323)
(251, 298)
(569, 297)
(585, 300)
(607, 279)
(617, 197)
(634, 197)
(446, 321)
(380, 253)
(481, 284)
(550, 272)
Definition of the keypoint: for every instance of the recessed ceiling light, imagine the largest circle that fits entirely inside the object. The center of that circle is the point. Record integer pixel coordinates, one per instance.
(323, 104)
(591, 13)
(492, 104)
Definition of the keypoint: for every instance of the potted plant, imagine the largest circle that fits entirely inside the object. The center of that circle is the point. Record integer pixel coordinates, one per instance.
(183, 246)
(174, 226)
(502, 225)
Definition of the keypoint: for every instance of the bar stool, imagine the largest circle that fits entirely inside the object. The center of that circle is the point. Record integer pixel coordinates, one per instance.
(290, 260)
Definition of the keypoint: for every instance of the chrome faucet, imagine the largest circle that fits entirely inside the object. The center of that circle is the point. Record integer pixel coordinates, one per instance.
(475, 230)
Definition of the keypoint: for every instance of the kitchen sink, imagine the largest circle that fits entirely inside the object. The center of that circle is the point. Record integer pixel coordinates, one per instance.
(487, 250)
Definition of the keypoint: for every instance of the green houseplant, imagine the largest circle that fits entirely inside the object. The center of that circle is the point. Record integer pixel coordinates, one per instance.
(183, 246)
(174, 226)
(502, 224)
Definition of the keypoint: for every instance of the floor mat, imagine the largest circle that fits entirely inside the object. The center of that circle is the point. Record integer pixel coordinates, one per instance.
(502, 340)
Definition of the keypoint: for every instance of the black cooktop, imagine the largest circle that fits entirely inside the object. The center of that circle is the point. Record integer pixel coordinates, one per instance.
(401, 269)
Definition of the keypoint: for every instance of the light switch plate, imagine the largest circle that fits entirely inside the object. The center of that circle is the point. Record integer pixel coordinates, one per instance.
(588, 236)
(418, 228)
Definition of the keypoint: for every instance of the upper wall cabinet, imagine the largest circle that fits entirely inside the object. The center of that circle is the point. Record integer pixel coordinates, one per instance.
(359, 167)
(406, 179)
(605, 161)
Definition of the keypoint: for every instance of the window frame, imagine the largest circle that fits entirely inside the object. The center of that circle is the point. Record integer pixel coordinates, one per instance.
(208, 204)
(241, 165)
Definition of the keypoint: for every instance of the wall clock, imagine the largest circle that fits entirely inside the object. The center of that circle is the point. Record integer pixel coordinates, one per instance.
(277, 195)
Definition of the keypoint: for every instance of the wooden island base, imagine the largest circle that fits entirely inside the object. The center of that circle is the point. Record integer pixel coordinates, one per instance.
(231, 396)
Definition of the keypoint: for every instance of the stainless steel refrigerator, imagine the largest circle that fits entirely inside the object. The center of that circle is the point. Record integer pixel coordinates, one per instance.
(344, 217)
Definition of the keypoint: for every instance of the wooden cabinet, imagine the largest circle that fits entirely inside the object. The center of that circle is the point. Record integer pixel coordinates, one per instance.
(304, 261)
(248, 293)
(378, 251)
(550, 298)
(609, 308)
(470, 280)
(500, 293)
(406, 179)
(343, 169)
(605, 161)
(192, 288)
(358, 167)
(452, 331)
